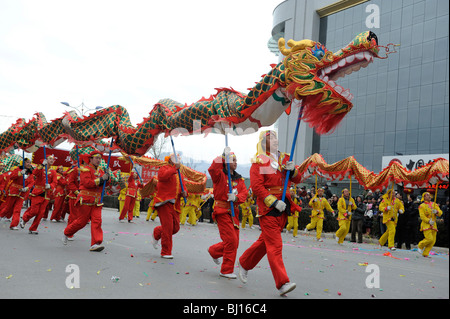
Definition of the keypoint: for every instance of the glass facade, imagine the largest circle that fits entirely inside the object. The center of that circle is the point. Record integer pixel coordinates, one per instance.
(401, 104)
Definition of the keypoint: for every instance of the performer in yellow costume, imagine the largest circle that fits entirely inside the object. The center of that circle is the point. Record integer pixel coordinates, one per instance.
(346, 205)
(390, 207)
(318, 203)
(122, 196)
(428, 212)
(293, 217)
(190, 210)
(137, 204)
(151, 211)
(247, 211)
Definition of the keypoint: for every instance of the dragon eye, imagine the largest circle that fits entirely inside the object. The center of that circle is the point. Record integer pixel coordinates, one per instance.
(319, 54)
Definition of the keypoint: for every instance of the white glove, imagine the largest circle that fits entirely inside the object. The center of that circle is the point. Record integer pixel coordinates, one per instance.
(280, 205)
(227, 151)
(231, 197)
(23, 190)
(105, 176)
(47, 186)
(349, 213)
(431, 222)
(23, 172)
(289, 166)
(316, 199)
(389, 208)
(434, 211)
(44, 162)
(400, 211)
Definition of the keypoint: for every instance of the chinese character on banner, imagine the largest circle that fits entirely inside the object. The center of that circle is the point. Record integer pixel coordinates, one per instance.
(148, 172)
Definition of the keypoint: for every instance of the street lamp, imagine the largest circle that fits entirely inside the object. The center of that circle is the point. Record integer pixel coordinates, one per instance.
(83, 107)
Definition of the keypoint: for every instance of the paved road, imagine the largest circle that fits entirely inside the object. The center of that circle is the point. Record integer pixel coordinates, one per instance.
(34, 266)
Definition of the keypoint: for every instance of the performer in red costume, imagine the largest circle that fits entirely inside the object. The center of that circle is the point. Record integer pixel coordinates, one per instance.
(17, 193)
(40, 195)
(59, 194)
(228, 225)
(130, 199)
(167, 203)
(267, 175)
(73, 186)
(88, 201)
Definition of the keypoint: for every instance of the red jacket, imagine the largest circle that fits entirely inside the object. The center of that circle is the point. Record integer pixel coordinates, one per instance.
(221, 189)
(267, 182)
(133, 186)
(16, 183)
(73, 184)
(61, 183)
(168, 187)
(91, 185)
(39, 182)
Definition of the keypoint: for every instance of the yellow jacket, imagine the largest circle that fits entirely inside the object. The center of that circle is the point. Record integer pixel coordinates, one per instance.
(396, 206)
(245, 206)
(122, 193)
(343, 209)
(425, 212)
(318, 204)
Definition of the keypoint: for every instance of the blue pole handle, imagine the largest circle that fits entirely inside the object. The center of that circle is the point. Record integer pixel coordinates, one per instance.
(107, 167)
(179, 174)
(291, 155)
(230, 187)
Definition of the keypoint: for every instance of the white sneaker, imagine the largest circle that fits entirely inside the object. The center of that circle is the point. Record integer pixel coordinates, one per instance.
(393, 249)
(96, 247)
(229, 276)
(154, 242)
(420, 251)
(22, 223)
(243, 274)
(167, 256)
(216, 260)
(287, 287)
(320, 240)
(64, 239)
(337, 239)
(33, 232)
(14, 228)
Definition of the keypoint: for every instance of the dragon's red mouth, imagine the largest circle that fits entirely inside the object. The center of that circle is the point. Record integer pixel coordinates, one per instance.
(343, 67)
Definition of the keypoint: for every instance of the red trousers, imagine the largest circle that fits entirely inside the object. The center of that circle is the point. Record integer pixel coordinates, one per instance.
(73, 211)
(37, 210)
(170, 225)
(86, 213)
(270, 243)
(57, 208)
(128, 208)
(13, 207)
(227, 248)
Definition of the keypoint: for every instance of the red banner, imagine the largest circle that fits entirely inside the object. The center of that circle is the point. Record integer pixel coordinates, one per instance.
(63, 158)
(148, 172)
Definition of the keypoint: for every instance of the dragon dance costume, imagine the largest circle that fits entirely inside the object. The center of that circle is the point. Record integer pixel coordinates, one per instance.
(167, 203)
(267, 176)
(227, 224)
(428, 212)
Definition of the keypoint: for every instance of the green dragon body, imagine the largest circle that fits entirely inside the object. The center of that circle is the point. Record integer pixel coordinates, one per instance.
(307, 74)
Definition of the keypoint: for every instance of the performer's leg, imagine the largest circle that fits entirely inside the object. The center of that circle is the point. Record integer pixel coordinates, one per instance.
(96, 225)
(41, 208)
(271, 231)
(319, 227)
(17, 207)
(229, 245)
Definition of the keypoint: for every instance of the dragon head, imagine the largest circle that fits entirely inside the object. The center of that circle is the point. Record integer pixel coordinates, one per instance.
(311, 72)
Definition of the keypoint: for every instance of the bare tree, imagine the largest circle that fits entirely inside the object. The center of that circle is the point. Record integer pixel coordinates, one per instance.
(158, 146)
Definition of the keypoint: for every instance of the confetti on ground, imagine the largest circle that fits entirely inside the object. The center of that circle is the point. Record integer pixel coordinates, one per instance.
(363, 264)
(145, 274)
(339, 293)
(9, 277)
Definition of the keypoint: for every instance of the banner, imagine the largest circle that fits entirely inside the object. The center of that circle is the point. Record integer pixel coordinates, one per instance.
(63, 159)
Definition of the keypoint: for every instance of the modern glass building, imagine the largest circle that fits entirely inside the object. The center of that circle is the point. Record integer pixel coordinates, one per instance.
(401, 104)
